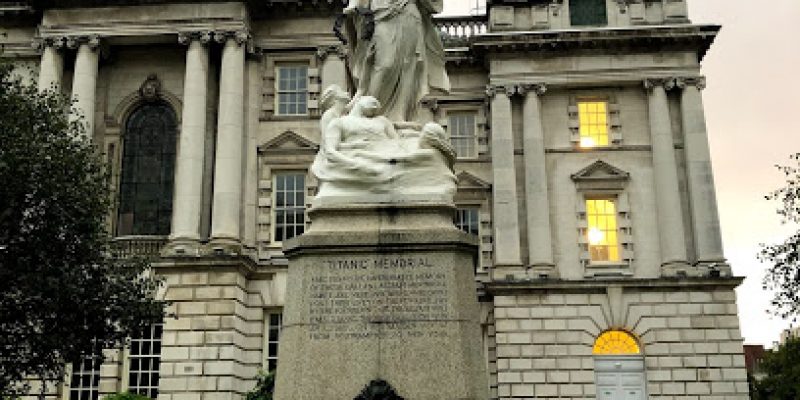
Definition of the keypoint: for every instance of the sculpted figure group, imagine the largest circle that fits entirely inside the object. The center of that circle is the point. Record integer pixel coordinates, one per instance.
(372, 149)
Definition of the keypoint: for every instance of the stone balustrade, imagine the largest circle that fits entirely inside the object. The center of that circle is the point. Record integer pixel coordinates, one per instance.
(459, 30)
(138, 246)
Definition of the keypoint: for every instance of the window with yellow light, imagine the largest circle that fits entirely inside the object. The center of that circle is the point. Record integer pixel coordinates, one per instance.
(615, 343)
(601, 232)
(593, 123)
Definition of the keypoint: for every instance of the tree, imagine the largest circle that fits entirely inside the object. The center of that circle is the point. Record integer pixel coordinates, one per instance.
(63, 294)
(781, 369)
(783, 275)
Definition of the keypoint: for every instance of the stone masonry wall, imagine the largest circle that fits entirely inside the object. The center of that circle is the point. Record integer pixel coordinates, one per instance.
(690, 340)
(212, 350)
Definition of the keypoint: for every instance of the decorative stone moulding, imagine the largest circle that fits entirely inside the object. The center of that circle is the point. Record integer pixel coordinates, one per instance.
(697, 81)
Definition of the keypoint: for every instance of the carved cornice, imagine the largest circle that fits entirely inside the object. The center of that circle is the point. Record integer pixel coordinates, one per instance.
(697, 81)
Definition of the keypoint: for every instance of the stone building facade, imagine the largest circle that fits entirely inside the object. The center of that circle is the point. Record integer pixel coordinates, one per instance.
(583, 168)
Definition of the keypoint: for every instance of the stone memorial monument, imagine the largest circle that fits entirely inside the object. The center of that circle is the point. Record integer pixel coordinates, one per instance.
(381, 300)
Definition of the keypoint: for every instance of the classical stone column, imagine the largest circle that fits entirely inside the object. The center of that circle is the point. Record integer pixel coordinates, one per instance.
(51, 67)
(84, 80)
(188, 200)
(702, 198)
(665, 171)
(332, 69)
(227, 204)
(540, 248)
(505, 216)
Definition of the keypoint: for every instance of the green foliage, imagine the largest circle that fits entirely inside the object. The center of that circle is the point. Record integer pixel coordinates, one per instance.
(63, 293)
(125, 396)
(265, 385)
(783, 276)
(782, 369)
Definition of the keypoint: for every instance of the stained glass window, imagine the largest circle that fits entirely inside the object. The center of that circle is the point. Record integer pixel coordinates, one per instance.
(588, 12)
(593, 119)
(148, 168)
(462, 134)
(145, 362)
(289, 205)
(292, 90)
(601, 232)
(616, 342)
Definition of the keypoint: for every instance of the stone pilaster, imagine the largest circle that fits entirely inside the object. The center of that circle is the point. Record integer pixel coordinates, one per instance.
(333, 70)
(51, 67)
(188, 200)
(665, 171)
(84, 81)
(702, 196)
(540, 248)
(227, 203)
(505, 216)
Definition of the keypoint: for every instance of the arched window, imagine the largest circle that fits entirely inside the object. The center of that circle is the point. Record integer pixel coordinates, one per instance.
(148, 165)
(619, 367)
(616, 343)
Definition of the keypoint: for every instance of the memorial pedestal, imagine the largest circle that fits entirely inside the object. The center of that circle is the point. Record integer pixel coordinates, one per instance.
(381, 292)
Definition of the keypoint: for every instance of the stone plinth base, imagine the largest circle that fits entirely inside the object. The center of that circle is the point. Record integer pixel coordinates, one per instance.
(381, 293)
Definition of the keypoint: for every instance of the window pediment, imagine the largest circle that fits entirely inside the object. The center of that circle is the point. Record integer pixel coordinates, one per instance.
(288, 142)
(600, 175)
(469, 182)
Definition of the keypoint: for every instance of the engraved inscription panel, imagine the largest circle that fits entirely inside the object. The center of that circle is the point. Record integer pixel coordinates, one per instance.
(387, 297)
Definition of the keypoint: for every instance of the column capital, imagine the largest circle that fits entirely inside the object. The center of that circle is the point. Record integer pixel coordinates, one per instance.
(430, 103)
(92, 41)
(538, 89)
(697, 81)
(652, 83)
(331, 50)
(239, 36)
(56, 42)
(493, 90)
(185, 38)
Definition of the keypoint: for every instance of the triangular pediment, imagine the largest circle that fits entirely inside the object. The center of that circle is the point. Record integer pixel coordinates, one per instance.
(600, 171)
(287, 142)
(467, 181)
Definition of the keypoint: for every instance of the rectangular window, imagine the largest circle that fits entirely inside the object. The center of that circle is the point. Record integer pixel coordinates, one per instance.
(467, 220)
(588, 13)
(289, 205)
(292, 90)
(144, 362)
(593, 123)
(601, 215)
(85, 379)
(462, 134)
(274, 321)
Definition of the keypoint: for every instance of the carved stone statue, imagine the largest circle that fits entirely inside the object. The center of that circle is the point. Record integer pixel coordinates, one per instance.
(397, 55)
(376, 152)
(362, 158)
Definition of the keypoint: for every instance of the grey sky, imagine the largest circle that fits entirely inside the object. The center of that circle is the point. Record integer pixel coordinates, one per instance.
(753, 116)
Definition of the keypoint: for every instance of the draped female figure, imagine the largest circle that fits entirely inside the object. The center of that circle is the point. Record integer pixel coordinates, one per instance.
(397, 54)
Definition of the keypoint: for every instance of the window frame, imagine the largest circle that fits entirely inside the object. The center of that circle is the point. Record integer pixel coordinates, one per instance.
(268, 356)
(128, 358)
(607, 126)
(274, 204)
(613, 199)
(69, 372)
(279, 67)
(572, 15)
(473, 138)
(477, 214)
